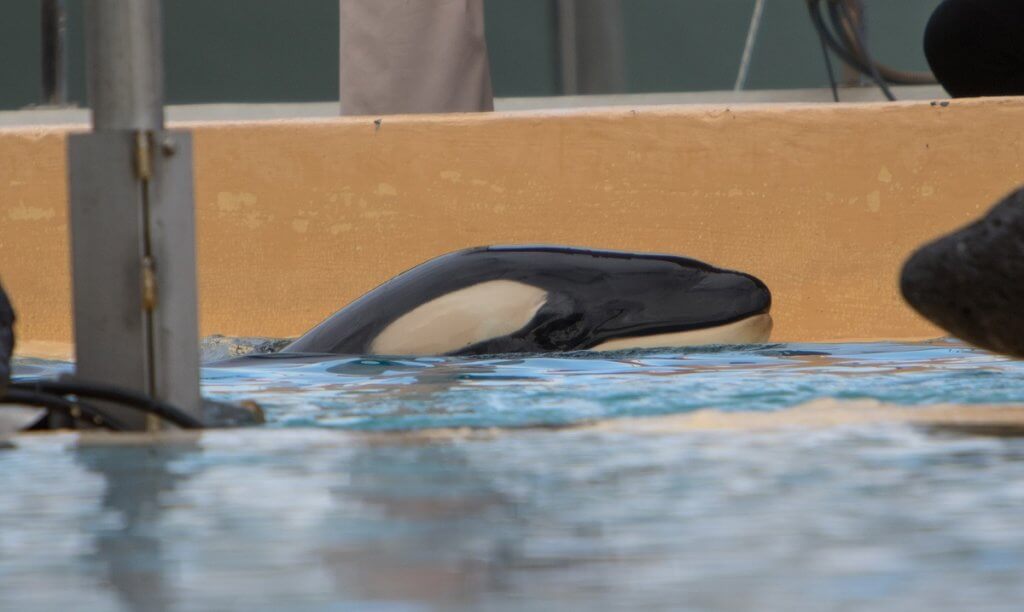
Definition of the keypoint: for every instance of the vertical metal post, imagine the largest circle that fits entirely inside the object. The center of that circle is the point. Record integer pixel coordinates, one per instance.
(567, 59)
(54, 52)
(591, 46)
(125, 64)
(132, 219)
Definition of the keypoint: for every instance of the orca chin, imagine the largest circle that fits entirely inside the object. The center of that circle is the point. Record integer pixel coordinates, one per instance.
(535, 299)
(752, 330)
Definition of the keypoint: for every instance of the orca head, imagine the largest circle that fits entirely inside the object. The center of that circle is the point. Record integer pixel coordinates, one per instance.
(612, 300)
(684, 303)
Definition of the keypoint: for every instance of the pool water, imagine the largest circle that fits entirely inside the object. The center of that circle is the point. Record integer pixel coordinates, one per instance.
(363, 493)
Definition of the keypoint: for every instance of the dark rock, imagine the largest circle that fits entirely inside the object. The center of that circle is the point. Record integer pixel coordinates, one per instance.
(6, 339)
(225, 414)
(971, 282)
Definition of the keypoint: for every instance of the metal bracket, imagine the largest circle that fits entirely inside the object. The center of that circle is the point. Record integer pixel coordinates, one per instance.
(143, 156)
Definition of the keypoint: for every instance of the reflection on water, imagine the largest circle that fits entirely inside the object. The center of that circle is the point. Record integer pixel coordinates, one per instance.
(889, 518)
(127, 552)
(302, 515)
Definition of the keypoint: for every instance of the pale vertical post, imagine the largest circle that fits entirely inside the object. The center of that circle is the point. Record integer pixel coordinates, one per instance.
(132, 219)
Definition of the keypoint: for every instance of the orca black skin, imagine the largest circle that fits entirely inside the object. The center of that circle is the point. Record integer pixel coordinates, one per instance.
(6, 339)
(592, 297)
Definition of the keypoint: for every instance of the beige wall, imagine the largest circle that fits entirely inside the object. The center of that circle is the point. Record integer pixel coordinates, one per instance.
(297, 218)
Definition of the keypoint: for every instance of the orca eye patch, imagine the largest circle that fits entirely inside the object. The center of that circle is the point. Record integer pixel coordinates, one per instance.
(461, 318)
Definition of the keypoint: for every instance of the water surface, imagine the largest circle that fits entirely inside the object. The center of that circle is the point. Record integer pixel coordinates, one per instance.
(309, 512)
(504, 391)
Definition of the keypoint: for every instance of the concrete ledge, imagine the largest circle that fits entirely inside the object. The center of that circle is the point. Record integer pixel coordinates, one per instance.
(296, 218)
(260, 111)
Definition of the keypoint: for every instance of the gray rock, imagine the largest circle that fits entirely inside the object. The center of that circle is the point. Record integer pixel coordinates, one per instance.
(971, 282)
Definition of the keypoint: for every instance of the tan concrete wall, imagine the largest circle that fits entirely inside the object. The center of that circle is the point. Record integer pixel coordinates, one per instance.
(295, 219)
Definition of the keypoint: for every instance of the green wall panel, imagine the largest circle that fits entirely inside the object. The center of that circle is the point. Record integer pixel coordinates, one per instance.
(674, 45)
(279, 50)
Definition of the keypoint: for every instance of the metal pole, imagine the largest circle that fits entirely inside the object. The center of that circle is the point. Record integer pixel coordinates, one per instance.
(601, 46)
(54, 52)
(132, 219)
(568, 61)
(125, 64)
(591, 46)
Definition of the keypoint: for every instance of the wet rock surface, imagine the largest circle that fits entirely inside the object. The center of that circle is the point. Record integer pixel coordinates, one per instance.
(217, 347)
(971, 282)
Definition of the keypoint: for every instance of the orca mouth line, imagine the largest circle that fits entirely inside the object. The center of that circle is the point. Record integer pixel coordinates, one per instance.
(750, 330)
(660, 329)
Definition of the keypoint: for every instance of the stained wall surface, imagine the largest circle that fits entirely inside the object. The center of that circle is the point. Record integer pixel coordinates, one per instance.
(297, 218)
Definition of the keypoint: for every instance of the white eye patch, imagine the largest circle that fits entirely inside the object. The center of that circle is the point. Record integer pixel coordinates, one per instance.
(461, 318)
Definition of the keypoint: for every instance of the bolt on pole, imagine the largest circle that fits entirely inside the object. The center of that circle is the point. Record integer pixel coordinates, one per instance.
(132, 219)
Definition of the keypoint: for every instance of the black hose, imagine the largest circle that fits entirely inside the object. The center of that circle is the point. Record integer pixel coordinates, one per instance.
(55, 403)
(818, 21)
(828, 67)
(851, 38)
(130, 399)
(839, 49)
(844, 23)
(846, 41)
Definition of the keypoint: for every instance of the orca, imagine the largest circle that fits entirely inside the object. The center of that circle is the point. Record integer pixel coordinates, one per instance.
(6, 339)
(537, 299)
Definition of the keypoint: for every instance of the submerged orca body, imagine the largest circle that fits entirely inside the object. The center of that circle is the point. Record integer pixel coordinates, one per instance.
(530, 299)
